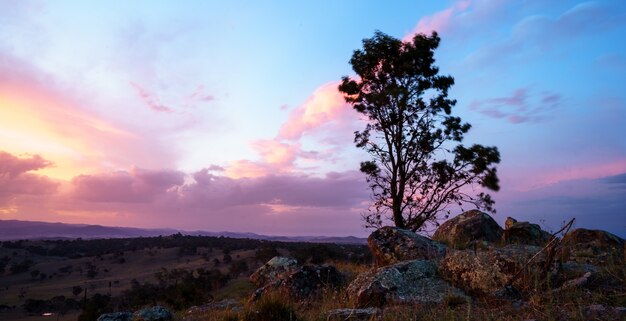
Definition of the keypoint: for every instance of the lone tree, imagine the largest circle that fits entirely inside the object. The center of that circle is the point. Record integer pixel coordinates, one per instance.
(419, 168)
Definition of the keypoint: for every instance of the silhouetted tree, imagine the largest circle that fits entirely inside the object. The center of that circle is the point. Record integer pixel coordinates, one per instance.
(419, 166)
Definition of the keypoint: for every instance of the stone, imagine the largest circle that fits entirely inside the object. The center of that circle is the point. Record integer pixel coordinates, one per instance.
(486, 272)
(593, 246)
(509, 222)
(365, 314)
(595, 311)
(408, 282)
(309, 280)
(271, 270)
(116, 316)
(524, 233)
(302, 282)
(468, 228)
(390, 245)
(574, 283)
(155, 313)
(226, 304)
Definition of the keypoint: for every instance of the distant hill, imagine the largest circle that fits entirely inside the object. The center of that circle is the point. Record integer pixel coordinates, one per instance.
(20, 230)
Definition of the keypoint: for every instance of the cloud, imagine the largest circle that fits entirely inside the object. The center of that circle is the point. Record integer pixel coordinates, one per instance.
(440, 21)
(154, 102)
(16, 177)
(594, 202)
(324, 118)
(150, 100)
(538, 34)
(286, 203)
(125, 187)
(41, 115)
(325, 105)
(616, 181)
(518, 107)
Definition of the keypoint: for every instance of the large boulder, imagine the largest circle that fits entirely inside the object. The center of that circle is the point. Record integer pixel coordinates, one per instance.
(486, 272)
(524, 233)
(155, 313)
(408, 282)
(310, 280)
(116, 316)
(593, 246)
(270, 271)
(468, 228)
(390, 245)
(284, 275)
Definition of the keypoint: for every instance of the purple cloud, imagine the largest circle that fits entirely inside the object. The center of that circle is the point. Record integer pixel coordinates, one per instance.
(520, 107)
(125, 187)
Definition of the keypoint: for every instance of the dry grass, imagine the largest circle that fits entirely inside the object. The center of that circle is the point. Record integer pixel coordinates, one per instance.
(546, 306)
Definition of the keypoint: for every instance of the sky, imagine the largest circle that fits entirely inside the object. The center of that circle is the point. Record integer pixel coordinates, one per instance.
(225, 115)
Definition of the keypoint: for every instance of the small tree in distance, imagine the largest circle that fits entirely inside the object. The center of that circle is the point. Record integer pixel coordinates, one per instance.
(419, 167)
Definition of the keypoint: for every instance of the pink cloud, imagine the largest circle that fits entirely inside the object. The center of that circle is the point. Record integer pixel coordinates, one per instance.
(324, 116)
(439, 22)
(43, 116)
(592, 171)
(325, 105)
(16, 177)
(280, 203)
(154, 102)
(150, 100)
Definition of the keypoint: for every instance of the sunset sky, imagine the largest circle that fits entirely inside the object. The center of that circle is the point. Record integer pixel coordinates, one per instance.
(225, 116)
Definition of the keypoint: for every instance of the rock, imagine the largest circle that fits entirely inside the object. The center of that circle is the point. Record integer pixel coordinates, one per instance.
(365, 314)
(524, 233)
(593, 246)
(574, 283)
(468, 228)
(405, 282)
(509, 222)
(226, 304)
(116, 316)
(309, 280)
(486, 272)
(270, 271)
(304, 281)
(155, 313)
(595, 311)
(390, 245)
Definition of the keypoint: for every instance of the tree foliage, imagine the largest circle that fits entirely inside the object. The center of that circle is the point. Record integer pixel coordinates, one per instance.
(419, 167)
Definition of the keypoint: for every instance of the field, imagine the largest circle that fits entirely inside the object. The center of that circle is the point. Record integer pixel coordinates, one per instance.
(63, 273)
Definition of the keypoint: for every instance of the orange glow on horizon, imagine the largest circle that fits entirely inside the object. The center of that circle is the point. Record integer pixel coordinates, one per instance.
(33, 121)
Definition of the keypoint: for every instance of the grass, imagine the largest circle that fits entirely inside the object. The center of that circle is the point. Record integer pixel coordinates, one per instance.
(545, 306)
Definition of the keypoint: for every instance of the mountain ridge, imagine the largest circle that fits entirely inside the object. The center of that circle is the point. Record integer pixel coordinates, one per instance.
(11, 230)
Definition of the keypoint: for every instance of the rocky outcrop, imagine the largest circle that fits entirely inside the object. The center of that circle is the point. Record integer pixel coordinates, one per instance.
(467, 229)
(309, 280)
(116, 316)
(155, 313)
(411, 282)
(593, 246)
(271, 270)
(487, 271)
(524, 233)
(284, 275)
(391, 245)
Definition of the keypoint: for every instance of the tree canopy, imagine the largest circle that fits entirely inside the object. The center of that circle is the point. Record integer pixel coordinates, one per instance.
(419, 167)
